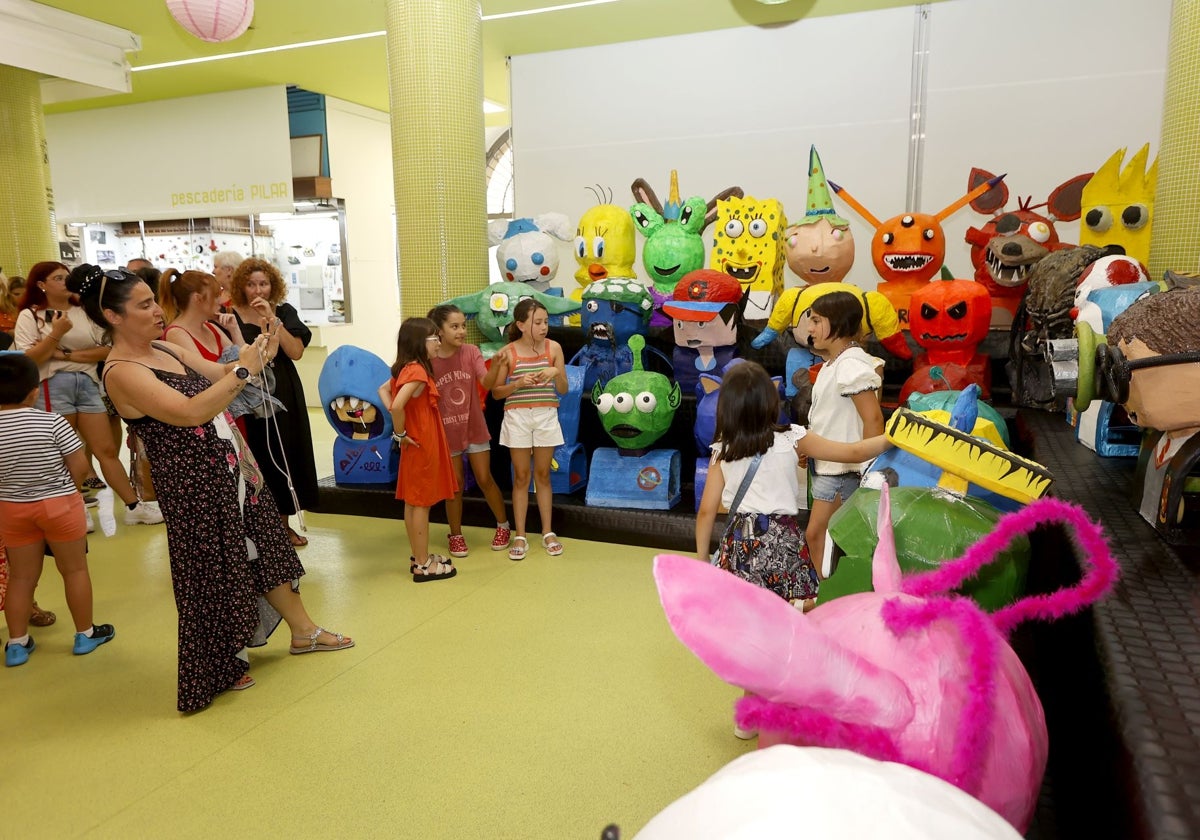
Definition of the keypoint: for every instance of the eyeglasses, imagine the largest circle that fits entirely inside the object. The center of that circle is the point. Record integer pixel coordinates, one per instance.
(1114, 371)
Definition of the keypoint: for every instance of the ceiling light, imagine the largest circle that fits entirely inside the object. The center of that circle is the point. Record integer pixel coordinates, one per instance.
(376, 34)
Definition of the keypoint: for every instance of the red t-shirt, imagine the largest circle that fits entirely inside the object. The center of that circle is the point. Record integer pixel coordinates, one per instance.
(457, 379)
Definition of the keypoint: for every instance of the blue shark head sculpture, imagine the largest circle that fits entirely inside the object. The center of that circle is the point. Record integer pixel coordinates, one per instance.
(349, 386)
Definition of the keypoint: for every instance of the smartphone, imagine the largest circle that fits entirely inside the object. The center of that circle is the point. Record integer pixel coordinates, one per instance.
(51, 314)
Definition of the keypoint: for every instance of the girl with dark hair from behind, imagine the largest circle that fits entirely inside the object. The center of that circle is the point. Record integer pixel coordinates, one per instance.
(763, 542)
(426, 476)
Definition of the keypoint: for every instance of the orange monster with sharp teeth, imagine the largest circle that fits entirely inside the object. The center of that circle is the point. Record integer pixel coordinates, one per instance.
(909, 249)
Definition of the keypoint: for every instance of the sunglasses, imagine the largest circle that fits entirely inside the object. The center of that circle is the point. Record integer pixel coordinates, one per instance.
(1114, 371)
(118, 274)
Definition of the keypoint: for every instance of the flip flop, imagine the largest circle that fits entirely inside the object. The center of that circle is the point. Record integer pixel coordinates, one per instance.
(244, 682)
(297, 540)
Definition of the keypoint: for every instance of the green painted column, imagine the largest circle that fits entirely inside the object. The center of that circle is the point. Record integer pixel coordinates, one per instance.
(1174, 243)
(27, 232)
(435, 86)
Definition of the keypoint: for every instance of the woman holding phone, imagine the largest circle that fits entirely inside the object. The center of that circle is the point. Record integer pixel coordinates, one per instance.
(56, 333)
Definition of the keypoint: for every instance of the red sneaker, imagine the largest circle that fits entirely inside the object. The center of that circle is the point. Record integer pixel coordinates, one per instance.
(502, 539)
(458, 545)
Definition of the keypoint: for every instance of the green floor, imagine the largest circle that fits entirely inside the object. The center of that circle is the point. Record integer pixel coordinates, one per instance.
(540, 699)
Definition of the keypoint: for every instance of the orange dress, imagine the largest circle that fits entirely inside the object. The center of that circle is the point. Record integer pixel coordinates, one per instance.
(426, 475)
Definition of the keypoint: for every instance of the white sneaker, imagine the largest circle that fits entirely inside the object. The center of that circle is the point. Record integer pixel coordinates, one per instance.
(91, 525)
(146, 513)
(104, 510)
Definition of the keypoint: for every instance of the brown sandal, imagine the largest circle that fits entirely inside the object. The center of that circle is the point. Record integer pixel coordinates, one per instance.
(40, 617)
(297, 540)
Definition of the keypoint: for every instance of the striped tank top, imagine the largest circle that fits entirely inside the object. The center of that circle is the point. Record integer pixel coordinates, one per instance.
(533, 396)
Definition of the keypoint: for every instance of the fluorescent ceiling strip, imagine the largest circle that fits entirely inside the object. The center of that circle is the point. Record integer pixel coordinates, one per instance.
(359, 37)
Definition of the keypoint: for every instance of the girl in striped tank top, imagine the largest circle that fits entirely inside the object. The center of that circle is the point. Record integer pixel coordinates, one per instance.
(532, 373)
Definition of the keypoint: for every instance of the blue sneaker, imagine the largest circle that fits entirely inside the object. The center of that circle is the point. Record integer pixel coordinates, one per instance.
(101, 633)
(15, 655)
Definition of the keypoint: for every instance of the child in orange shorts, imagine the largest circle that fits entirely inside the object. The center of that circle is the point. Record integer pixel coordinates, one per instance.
(42, 463)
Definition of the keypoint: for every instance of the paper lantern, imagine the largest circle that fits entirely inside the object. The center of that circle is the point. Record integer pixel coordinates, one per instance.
(213, 20)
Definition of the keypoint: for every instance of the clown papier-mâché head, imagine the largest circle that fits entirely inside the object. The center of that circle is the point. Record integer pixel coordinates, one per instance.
(637, 408)
(527, 252)
(818, 245)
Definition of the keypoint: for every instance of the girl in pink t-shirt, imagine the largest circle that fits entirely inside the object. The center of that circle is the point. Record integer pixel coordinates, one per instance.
(457, 371)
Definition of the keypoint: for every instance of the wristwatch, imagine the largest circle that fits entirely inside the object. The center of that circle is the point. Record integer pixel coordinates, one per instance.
(241, 372)
(66, 351)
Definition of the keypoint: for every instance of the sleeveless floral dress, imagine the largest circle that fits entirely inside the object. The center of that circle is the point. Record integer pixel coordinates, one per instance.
(226, 542)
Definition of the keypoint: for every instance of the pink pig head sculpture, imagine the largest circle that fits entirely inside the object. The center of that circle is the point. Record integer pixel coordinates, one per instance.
(907, 673)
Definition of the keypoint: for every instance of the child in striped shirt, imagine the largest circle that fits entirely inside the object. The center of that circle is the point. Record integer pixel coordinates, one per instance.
(42, 463)
(532, 375)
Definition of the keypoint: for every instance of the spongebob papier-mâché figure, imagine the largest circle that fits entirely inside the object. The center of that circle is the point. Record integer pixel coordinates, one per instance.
(1118, 205)
(748, 246)
(820, 249)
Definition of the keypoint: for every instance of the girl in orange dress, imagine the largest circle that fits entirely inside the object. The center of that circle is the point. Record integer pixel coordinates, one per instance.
(426, 474)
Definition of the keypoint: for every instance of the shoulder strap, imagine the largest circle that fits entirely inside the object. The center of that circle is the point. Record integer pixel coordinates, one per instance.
(745, 485)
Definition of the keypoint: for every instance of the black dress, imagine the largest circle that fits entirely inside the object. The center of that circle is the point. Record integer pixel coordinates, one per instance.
(226, 543)
(295, 435)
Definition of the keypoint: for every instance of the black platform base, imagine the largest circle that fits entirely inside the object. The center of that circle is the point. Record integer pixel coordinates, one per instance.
(672, 530)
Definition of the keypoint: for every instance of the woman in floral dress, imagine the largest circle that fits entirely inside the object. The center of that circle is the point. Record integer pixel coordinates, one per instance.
(233, 569)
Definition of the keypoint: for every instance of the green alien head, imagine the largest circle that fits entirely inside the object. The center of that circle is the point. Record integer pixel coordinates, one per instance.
(636, 408)
(672, 248)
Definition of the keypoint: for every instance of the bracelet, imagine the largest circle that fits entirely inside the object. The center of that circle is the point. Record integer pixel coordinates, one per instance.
(399, 436)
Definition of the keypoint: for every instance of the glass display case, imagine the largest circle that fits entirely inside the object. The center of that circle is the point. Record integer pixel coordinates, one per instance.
(308, 246)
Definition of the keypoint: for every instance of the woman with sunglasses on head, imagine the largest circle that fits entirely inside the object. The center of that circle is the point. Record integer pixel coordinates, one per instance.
(229, 551)
(55, 332)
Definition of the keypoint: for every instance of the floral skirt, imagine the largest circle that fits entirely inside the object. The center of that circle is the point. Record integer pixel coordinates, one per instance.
(768, 550)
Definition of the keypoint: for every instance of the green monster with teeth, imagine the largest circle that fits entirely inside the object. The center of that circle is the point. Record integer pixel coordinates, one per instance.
(636, 408)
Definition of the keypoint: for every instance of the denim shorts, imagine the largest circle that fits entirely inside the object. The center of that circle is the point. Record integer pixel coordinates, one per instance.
(826, 488)
(74, 392)
(473, 448)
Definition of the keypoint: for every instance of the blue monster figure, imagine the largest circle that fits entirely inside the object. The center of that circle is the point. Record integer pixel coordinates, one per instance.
(961, 410)
(349, 389)
(614, 310)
